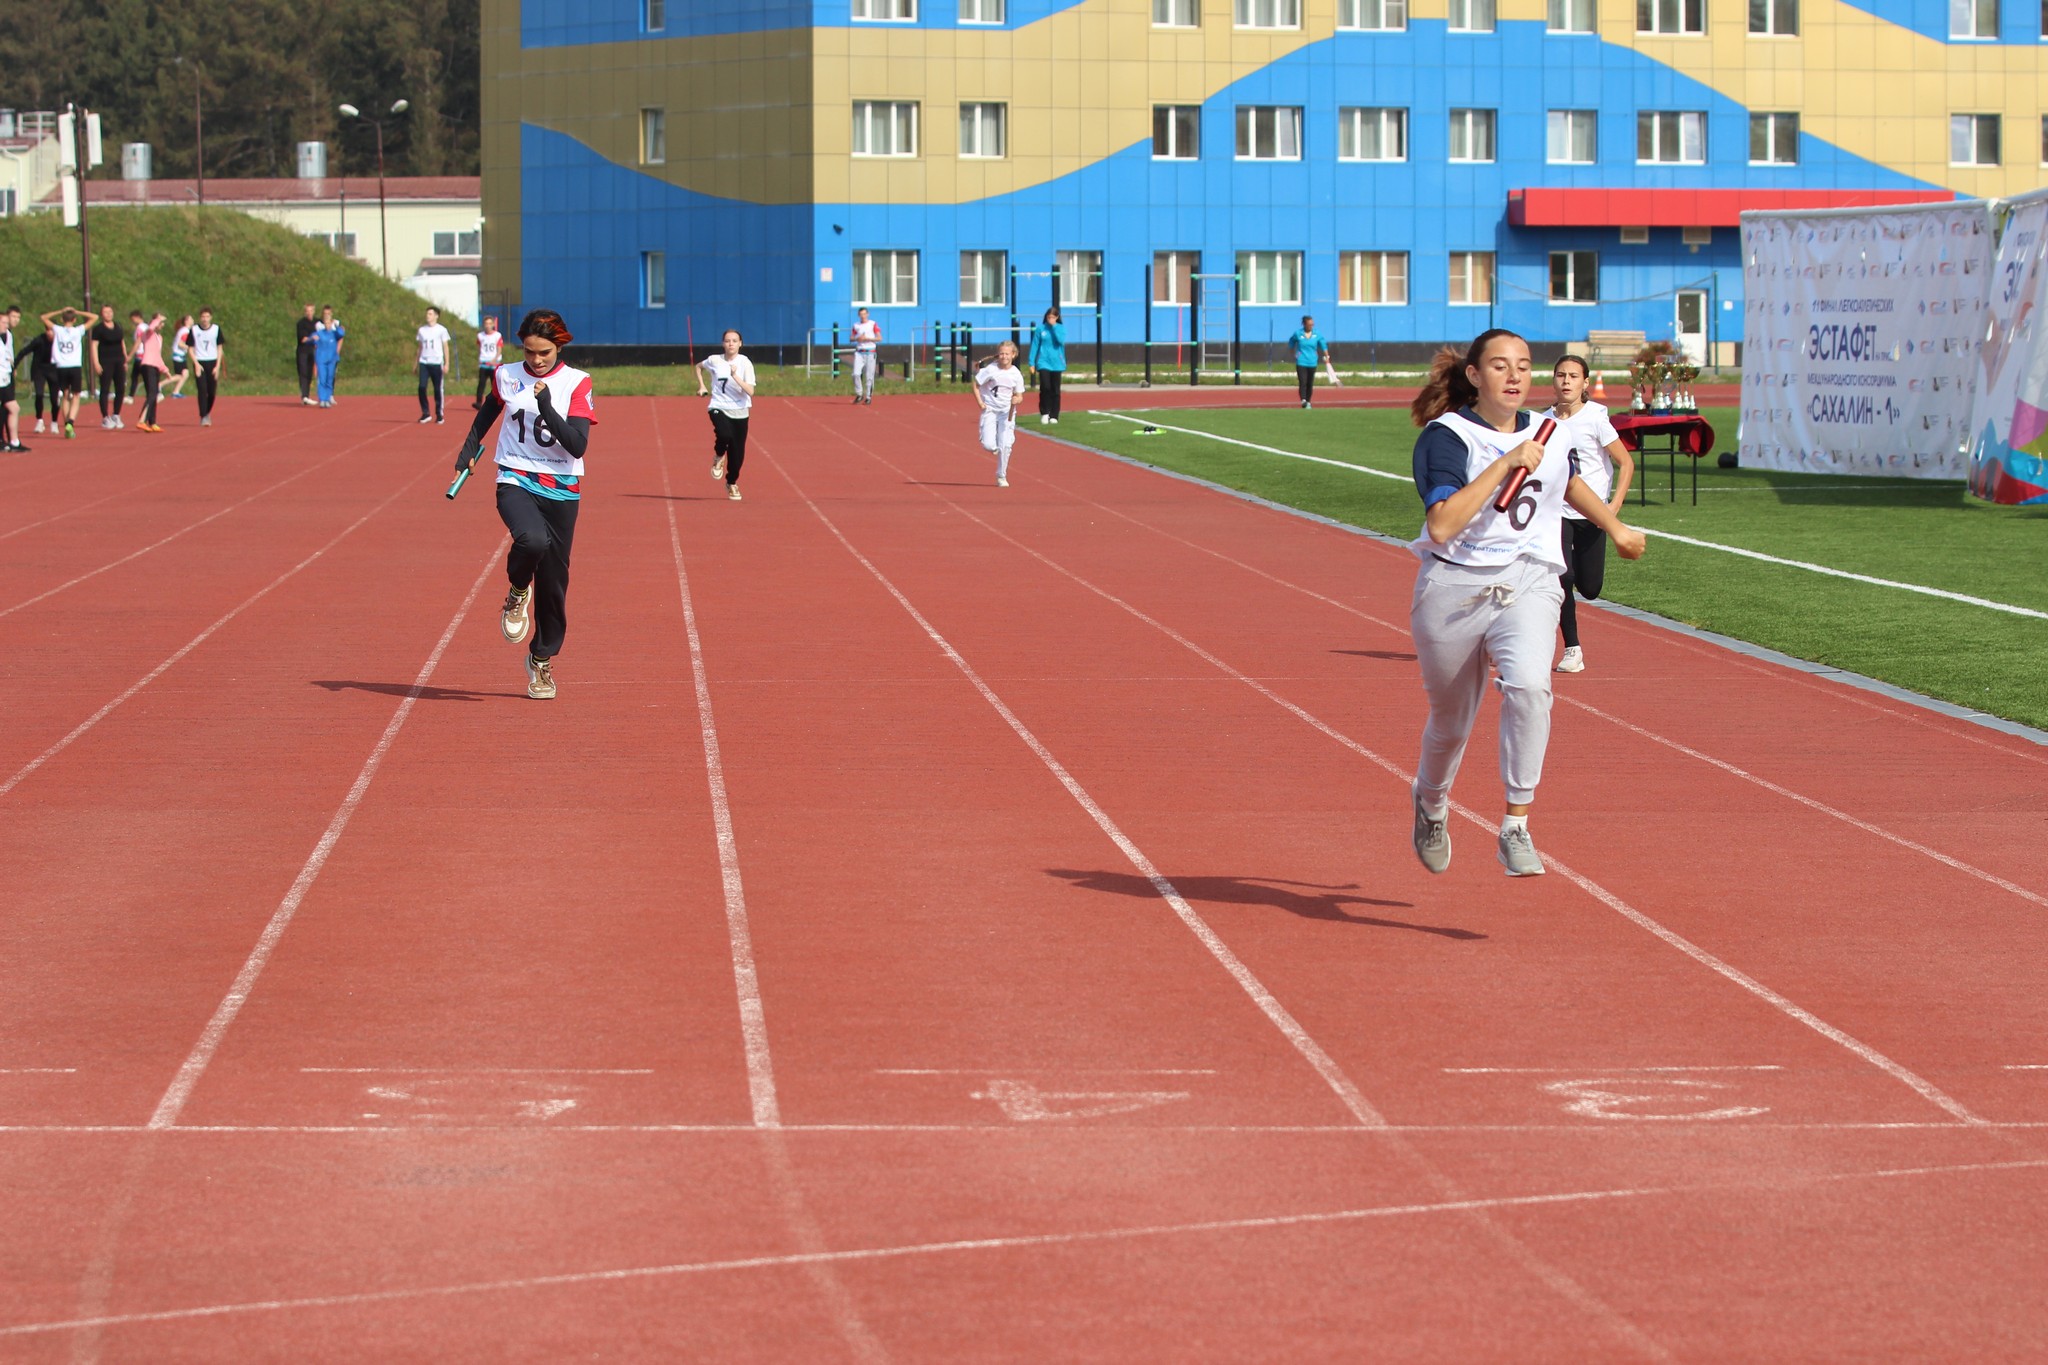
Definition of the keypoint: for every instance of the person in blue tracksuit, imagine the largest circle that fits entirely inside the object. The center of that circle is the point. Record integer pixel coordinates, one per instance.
(328, 336)
(1049, 357)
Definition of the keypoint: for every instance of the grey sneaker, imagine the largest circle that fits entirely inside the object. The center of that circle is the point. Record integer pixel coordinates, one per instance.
(1518, 853)
(1432, 839)
(1572, 661)
(516, 618)
(540, 679)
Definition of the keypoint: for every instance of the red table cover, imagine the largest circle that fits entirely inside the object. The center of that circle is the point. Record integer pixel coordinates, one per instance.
(1695, 434)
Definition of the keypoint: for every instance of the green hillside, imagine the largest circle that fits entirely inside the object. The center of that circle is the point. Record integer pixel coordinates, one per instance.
(254, 275)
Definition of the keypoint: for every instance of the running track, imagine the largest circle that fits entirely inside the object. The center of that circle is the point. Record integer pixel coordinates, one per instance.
(946, 923)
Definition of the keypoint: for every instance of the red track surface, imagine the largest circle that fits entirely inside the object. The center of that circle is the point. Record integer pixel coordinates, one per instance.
(359, 1008)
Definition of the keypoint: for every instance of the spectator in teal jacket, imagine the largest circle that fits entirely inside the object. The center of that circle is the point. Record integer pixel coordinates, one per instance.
(1049, 357)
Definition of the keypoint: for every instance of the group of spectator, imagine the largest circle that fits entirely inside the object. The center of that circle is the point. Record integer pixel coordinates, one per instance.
(75, 354)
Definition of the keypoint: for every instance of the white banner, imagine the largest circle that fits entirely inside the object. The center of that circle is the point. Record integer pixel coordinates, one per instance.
(1860, 340)
(2009, 421)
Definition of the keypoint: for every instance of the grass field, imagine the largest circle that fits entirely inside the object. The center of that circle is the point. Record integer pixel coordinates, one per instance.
(1914, 531)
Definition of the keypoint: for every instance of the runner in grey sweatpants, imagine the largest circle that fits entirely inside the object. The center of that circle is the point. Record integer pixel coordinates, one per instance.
(1488, 589)
(866, 336)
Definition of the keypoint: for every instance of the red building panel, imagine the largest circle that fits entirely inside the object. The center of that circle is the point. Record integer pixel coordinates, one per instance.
(1688, 208)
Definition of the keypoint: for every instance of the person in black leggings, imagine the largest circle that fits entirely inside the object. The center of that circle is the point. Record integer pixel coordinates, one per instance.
(1593, 445)
(42, 378)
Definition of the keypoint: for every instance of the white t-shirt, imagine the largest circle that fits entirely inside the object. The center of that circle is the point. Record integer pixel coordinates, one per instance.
(67, 348)
(999, 388)
(434, 341)
(1591, 432)
(726, 377)
(524, 441)
(866, 334)
(6, 359)
(489, 346)
(205, 342)
(1530, 526)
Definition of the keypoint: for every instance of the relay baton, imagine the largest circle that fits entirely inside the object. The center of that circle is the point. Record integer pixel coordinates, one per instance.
(1516, 476)
(462, 475)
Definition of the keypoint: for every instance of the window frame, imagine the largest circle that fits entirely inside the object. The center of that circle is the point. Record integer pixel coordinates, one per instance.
(653, 135)
(1193, 114)
(1491, 122)
(1166, 271)
(863, 279)
(1467, 278)
(1571, 257)
(1592, 15)
(1978, 123)
(1002, 130)
(1468, 24)
(857, 17)
(653, 279)
(1773, 120)
(1346, 131)
(1571, 119)
(1684, 10)
(1248, 131)
(1247, 263)
(1774, 13)
(1063, 259)
(653, 16)
(1976, 9)
(1657, 116)
(983, 258)
(1244, 15)
(892, 107)
(1348, 276)
(455, 236)
(1193, 8)
(1001, 8)
(1356, 11)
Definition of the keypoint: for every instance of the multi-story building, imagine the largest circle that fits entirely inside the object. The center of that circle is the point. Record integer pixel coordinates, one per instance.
(1408, 171)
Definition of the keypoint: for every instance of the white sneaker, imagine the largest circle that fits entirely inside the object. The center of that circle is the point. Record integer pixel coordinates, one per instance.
(540, 678)
(1572, 662)
(39, 426)
(732, 492)
(1002, 482)
(515, 618)
(718, 468)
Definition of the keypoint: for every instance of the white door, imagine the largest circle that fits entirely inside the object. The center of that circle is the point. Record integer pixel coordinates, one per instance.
(1692, 324)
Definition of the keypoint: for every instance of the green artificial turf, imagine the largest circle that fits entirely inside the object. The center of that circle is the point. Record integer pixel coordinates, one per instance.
(1914, 531)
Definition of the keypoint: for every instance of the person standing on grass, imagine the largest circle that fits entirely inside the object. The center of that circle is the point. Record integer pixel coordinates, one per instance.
(867, 336)
(210, 357)
(1594, 443)
(1488, 586)
(307, 355)
(181, 359)
(10, 407)
(328, 336)
(67, 365)
(548, 412)
(433, 364)
(110, 364)
(1049, 357)
(490, 345)
(1309, 346)
(999, 384)
(732, 404)
(150, 354)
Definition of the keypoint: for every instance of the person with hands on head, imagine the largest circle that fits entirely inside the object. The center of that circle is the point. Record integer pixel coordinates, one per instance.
(732, 404)
(67, 364)
(1594, 443)
(548, 409)
(1489, 587)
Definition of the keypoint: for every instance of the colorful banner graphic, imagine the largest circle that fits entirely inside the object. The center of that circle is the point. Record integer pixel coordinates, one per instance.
(1861, 338)
(2009, 420)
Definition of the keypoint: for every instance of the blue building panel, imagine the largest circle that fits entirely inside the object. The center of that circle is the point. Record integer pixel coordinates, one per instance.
(553, 23)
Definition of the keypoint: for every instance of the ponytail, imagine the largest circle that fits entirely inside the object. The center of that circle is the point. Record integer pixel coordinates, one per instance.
(1448, 388)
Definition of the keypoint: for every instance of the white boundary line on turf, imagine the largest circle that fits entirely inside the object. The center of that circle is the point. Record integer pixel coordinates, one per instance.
(1985, 602)
(1012, 1243)
(182, 1085)
(1311, 1051)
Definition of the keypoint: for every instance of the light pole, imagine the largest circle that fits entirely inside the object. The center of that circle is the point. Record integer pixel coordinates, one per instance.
(198, 129)
(383, 237)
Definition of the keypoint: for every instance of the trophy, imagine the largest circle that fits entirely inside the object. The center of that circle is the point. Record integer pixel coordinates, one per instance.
(1688, 401)
(1638, 378)
(1661, 387)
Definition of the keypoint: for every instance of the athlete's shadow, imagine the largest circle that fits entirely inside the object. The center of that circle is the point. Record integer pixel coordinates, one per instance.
(1273, 891)
(405, 689)
(677, 497)
(1394, 654)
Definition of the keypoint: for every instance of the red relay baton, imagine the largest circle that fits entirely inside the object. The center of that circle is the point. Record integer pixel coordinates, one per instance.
(1518, 476)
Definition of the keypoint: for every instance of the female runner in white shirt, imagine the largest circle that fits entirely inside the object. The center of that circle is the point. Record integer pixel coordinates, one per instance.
(1594, 441)
(732, 403)
(1488, 587)
(1000, 385)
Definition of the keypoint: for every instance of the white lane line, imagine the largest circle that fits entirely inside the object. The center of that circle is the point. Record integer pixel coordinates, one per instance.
(761, 1094)
(476, 1070)
(2029, 1066)
(1575, 1070)
(159, 544)
(1744, 774)
(1050, 1239)
(1802, 564)
(1043, 1071)
(1311, 1051)
(38, 1071)
(216, 1029)
(78, 731)
(182, 471)
(993, 1128)
(1870, 1055)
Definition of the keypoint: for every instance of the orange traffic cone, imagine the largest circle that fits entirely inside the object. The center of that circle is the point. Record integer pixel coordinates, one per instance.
(1599, 393)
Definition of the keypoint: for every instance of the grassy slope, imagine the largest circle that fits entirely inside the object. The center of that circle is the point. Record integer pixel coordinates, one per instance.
(254, 275)
(1918, 532)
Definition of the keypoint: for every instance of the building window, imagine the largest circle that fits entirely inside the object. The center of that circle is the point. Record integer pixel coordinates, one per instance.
(885, 11)
(1471, 16)
(1269, 277)
(1372, 277)
(1774, 139)
(9, 205)
(1574, 277)
(1673, 138)
(653, 137)
(1176, 13)
(1777, 18)
(342, 242)
(1372, 134)
(1571, 16)
(884, 128)
(984, 279)
(1973, 18)
(1380, 15)
(1472, 277)
(1671, 16)
(1080, 278)
(1471, 134)
(984, 131)
(654, 279)
(1268, 132)
(458, 243)
(1572, 137)
(884, 279)
(1973, 140)
(1173, 275)
(981, 11)
(653, 15)
(1268, 13)
(1176, 132)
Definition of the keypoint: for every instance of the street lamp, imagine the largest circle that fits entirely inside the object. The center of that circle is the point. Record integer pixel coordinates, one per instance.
(383, 237)
(198, 129)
